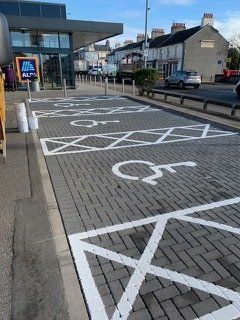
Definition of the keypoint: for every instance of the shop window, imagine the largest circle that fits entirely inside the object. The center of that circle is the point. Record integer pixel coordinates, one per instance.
(64, 41)
(23, 39)
(50, 11)
(9, 8)
(49, 40)
(30, 9)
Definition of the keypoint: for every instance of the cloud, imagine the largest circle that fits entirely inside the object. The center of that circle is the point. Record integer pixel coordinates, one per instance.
(230, 26)
(130, 14)
(177, 2)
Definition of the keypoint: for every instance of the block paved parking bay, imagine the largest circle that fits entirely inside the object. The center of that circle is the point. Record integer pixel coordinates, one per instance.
(150, 201)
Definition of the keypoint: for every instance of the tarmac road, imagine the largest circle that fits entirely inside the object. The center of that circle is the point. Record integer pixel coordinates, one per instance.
(218, 92)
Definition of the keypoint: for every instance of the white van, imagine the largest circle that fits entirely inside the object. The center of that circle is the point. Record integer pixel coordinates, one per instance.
(109, 70)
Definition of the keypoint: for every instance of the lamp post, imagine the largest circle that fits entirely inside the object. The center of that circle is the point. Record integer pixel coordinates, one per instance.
(145, 35)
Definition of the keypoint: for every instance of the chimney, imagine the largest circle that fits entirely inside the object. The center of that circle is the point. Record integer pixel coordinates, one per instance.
(157, 33)
(207, 19)
(126, 42)
(177, 27)
(140, 37)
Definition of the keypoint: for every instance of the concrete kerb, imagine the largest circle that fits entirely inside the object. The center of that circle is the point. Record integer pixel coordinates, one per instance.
(75, 301)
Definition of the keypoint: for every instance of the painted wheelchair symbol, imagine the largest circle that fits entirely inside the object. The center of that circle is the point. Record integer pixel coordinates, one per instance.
(157, 169)
(92, 123)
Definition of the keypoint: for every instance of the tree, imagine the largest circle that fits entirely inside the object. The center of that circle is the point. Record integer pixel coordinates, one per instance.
(146, 79)
(234, 55)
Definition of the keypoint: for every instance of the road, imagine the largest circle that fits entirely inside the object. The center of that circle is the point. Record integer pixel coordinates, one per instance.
(150, 205)
(218, 92)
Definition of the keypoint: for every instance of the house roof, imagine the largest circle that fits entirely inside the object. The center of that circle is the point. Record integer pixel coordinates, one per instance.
(178, 37)
(158, 40)
(101, 47)
(162, 41)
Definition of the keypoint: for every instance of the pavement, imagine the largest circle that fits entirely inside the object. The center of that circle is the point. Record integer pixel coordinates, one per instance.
(149, 201)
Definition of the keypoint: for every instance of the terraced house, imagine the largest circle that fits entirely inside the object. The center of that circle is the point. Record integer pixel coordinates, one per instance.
(201, 48)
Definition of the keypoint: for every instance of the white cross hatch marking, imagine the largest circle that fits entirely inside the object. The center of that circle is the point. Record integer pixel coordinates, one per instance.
(144, 266)
(161, 134)
(95, 111)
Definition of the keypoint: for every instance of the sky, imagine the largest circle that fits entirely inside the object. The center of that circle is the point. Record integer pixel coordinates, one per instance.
(162, 14)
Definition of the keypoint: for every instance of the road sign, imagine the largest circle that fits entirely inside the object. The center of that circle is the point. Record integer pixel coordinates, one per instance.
(27, 68)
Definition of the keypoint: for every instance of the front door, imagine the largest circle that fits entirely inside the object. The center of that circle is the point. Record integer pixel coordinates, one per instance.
(51, 71)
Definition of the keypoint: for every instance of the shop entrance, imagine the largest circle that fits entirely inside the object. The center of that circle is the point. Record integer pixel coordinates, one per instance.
(51, 71)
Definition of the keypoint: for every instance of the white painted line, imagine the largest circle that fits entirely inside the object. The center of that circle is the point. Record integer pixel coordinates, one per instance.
(92, 111)
(226, 313)
(92, 295)
(162, 134)
(179, 214)
(78, 99)
(212, 224)
(144, 266)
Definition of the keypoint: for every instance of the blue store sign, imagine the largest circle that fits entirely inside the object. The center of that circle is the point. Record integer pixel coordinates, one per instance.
(27, 68)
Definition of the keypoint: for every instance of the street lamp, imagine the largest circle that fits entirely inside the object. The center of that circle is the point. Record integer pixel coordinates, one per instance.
(145, 36)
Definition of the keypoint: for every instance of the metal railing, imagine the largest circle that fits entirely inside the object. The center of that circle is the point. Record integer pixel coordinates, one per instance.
(192, 102)
(206, 105)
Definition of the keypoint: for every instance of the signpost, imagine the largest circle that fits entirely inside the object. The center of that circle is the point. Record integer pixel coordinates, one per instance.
(27, 68)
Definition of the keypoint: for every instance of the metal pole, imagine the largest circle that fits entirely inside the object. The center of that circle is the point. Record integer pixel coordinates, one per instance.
(29, 90)
(123, 83)
(106, 86)
(65, 88)
(145, 36)
(133, 88)
(95, 80)
(114, 84)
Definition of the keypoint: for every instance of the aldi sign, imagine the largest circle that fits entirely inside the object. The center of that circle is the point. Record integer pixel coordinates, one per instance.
(27, 68)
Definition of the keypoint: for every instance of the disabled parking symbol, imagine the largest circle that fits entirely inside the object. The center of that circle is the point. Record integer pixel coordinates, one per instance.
(157, 169)
(90, 123)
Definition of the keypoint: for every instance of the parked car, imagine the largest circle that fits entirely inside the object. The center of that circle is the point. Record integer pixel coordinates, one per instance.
(183, 79)
(95, 71)
(237, 89)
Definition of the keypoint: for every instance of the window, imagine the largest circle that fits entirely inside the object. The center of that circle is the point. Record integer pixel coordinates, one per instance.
(207, 43)
(64, 41)
(24, 39)
(168, 52)
(50, 11)
(8, 7)
(63, 12)
(49, 40)
(160, 54)
(30, 9)
(176, 49)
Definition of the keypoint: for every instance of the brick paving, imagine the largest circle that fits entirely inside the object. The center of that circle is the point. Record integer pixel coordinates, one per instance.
(128, 268)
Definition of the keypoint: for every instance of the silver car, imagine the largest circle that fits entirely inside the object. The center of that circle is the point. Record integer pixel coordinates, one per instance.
(183, 79)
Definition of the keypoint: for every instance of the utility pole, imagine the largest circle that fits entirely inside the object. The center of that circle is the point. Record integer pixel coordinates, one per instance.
(146, 28)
